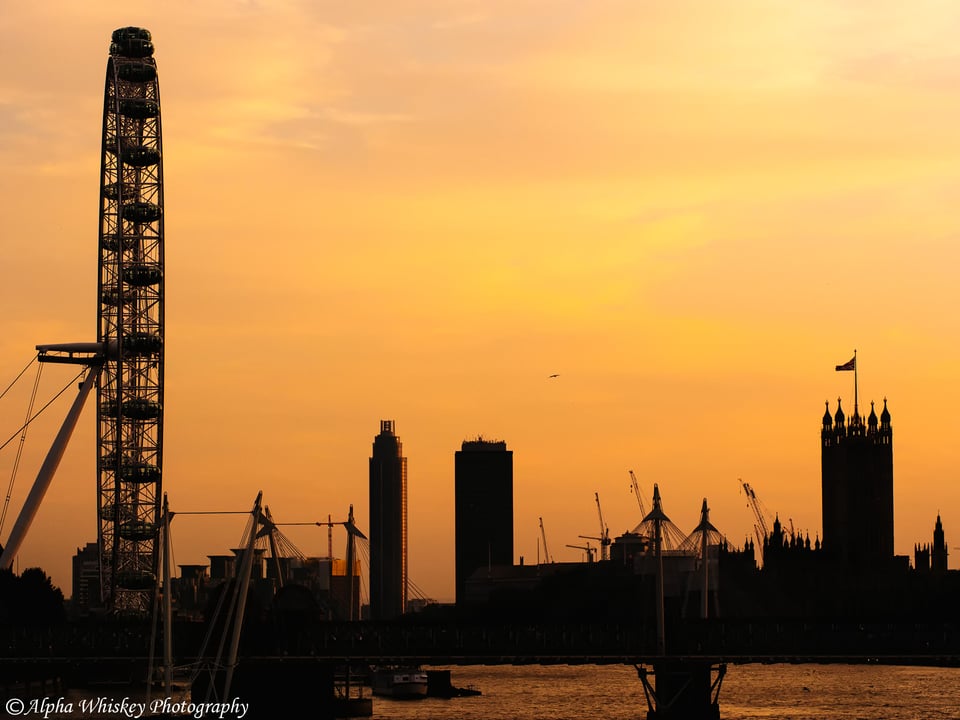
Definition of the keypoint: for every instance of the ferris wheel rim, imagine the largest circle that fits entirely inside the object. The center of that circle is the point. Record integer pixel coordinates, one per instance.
(130, 320)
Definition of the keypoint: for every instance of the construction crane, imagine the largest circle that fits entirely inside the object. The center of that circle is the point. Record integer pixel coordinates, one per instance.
(329, 525)
(589, 550)
(604, 538)
(636, 492)
(760, 528)
(543, 534)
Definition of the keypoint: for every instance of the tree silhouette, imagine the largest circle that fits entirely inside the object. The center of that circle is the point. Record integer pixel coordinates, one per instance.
(30, 599)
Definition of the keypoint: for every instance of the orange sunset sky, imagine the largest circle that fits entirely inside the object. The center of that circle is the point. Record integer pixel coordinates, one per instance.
(417, 211)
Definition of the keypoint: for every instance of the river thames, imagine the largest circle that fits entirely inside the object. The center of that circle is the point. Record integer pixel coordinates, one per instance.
(614, 692)
(774, 692)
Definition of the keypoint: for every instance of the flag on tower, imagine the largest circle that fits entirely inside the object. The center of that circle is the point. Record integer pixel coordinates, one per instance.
(849, 365)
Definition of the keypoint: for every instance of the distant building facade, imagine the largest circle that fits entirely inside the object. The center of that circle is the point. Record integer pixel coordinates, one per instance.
(86, 581)
(388, 525)
(483, 487)
(857, 490)
(190, 593)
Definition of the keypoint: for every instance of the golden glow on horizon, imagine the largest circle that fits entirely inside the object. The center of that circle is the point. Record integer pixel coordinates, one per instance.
(419, 210)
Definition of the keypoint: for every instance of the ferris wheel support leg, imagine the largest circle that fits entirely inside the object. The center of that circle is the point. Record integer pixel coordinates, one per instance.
(47, 470)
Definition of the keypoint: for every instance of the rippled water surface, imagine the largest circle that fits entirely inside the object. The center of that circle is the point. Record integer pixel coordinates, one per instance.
(790, 692)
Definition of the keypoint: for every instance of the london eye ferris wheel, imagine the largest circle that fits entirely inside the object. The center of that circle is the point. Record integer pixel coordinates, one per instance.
(130, 324)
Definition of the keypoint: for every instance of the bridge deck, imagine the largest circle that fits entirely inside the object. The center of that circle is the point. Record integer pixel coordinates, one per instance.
(933, 660)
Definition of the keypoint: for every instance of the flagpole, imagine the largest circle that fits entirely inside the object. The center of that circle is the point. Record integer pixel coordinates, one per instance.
(856, 396)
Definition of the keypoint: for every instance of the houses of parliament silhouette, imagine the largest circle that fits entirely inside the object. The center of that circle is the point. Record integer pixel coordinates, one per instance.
(857, 489)
(850, 571)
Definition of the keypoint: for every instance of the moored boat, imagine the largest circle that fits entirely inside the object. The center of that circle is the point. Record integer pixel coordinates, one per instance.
(399, 682)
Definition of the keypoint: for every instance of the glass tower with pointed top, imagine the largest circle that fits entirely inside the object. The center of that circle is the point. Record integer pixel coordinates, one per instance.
(388, 526)
(857, 489)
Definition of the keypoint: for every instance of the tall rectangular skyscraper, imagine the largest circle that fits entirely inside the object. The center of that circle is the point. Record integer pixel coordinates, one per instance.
(388, 526)
(483, 486)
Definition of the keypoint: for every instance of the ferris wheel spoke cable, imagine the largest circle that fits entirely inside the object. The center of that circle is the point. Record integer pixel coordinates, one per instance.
(22, 432)
(23, 440)
(41, 410)
(20, 375)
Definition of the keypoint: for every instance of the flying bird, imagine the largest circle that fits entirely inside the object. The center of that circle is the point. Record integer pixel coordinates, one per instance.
(553, 376)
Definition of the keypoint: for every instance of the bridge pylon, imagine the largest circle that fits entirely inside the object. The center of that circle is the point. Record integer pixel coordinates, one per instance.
(682, 689)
